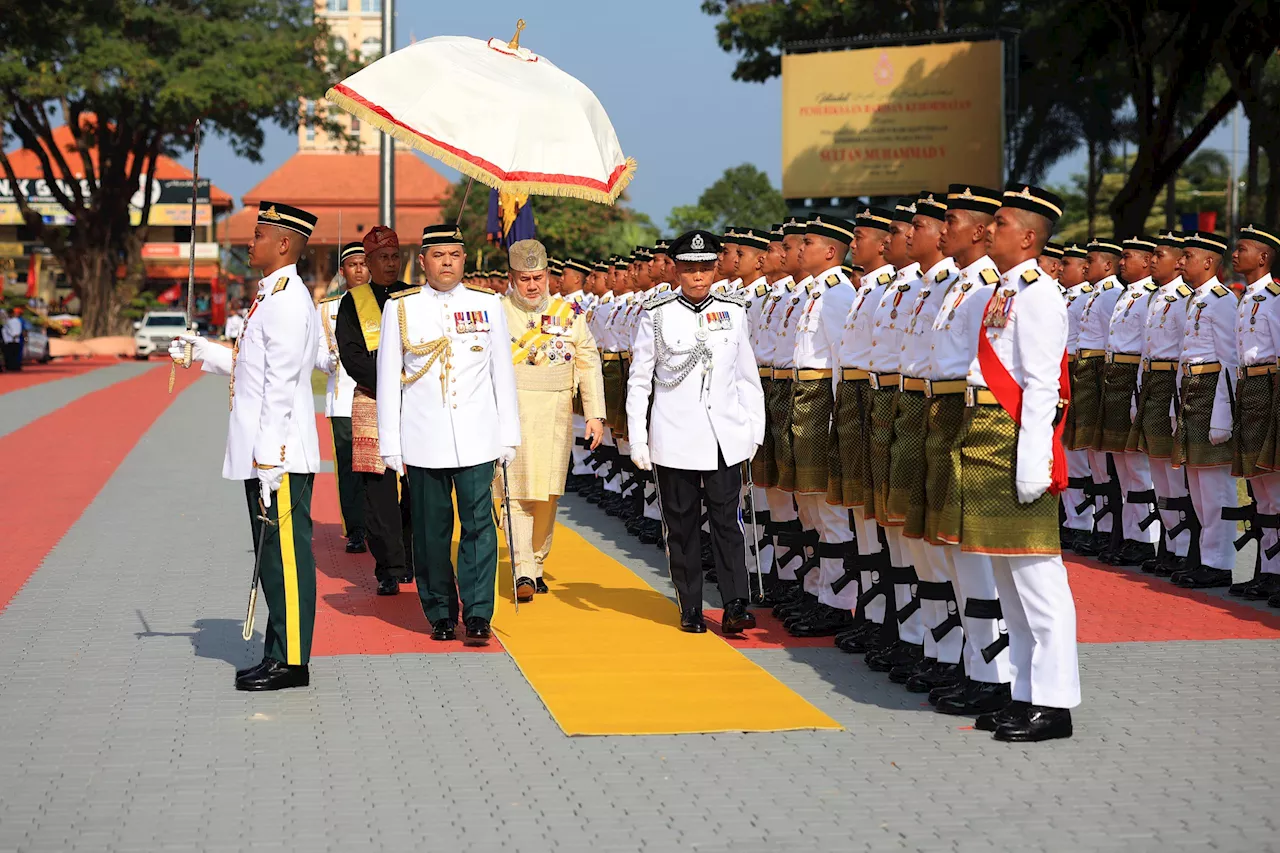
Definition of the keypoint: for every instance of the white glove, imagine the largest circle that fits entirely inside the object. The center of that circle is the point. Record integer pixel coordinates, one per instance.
(640, 456)
(177, 348)
(395, 463)
(1219, 436)
(269, 479)
(1173, 423)
(1028, 492)
(331, 364)
(507, 456)
(1133, 410)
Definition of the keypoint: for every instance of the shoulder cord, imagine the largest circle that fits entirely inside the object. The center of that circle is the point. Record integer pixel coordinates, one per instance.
(700, 353)
(432, 349)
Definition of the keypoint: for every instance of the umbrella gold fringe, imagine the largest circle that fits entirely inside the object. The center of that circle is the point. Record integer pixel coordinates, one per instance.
(472, 170)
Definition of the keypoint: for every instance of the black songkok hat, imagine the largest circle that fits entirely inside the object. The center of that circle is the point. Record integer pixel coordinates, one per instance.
(832, 227)
(1034, 199)
(1253, 232)
(1206, 240)
(350, 250)
(1053, 250)
(932, 204)
(873, 217)
(287, 216)
(441, 235)
(973, 197)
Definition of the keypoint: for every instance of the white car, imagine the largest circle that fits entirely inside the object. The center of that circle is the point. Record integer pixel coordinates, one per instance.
(154, 332)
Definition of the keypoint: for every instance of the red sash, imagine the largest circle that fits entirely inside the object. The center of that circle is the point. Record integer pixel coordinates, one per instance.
(1008, 394)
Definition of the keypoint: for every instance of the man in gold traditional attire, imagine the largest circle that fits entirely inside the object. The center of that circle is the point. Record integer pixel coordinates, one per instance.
(554, 354)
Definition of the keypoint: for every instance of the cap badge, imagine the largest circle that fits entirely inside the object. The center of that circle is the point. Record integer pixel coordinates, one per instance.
(1026, 193)
(697, 243)
(270, 213)
(968, 193)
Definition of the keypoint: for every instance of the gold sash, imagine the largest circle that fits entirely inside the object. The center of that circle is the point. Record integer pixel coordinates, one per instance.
(533, 339)
(369, 314)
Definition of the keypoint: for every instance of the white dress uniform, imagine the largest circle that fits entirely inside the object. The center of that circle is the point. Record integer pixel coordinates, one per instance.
(694, 361)
(954, 345)
(578, 454)
(1035, 597)
(1125, 339)
(1077, 297)
(1095, 328)
(1210, 337)
(273, 417)
(341, 388)
(1258, 341)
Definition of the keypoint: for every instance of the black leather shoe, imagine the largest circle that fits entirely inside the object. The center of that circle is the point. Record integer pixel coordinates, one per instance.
(274, 675)
(540, 586)
(691, 621)
(895, 655)
(355, 542)
(1258, 589)
(477, 632)
(937, 694)
(1205, 577)
(1014, 712)
(737, 618)
(802, 603)
(1091, 544)
(979, 697)
(1039, 724)
(1168, 567)
(241, 673)
(787, 597)
(874, 640)
(855, 633)
(1134, 553)
(939, 675)
(1274, 601)
(525, 588)
(825, 623)
(444, 630)
(388, 586)
(710, 576)
(905, 672)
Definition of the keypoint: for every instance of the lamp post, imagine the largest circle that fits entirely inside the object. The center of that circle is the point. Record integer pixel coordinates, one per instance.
(386, 145)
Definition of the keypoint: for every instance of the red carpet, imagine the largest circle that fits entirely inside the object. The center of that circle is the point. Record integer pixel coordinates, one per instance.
(38, 374)
(71, 453)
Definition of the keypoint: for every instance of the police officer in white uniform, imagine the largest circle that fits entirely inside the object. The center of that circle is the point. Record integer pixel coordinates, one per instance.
(446, 412)
(693, 358)
(272, 445)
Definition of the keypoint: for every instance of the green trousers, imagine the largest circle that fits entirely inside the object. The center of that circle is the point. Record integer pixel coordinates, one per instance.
(350, 484)
(431, 501)
(287, 567)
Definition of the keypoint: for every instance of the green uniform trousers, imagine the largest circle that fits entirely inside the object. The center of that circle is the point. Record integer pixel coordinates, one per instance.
(350, 484)
(431, 501)
(287, 567)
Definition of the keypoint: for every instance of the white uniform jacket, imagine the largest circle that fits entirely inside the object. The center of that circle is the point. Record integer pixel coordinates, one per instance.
(462, 411)
(718, 407)
(273, 412)
(1031, 346)
(341, 387)
(1209, 336)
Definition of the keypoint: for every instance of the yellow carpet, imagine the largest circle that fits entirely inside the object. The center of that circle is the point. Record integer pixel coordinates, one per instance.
(605, 653)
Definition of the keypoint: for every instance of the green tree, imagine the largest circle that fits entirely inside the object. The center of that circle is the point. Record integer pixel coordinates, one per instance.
(568, 227)
(130, 78)
(742, 197)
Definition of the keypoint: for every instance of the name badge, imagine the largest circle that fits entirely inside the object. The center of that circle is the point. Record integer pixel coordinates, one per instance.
(718, 320)
(470, 322)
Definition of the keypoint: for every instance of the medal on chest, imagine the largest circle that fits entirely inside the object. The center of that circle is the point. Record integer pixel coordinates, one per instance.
(470, 322)
(997, 314)
(1196, 320)
(716, 321)
(551, 325)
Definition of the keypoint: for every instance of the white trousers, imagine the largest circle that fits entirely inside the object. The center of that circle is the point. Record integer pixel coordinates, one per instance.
(928, 561)
(1169, 483)
(1266, 491)
(1098, 469)
(912, 629)
(973, 577)
(832, 524)
(1041, 617)
(1134, 471)
(1211, 490)
(578, 454)
(782, 507)
(755, 530)
(1077, 466)
(868, 543)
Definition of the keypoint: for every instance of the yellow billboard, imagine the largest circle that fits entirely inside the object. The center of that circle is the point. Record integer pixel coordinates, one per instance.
(892, 120)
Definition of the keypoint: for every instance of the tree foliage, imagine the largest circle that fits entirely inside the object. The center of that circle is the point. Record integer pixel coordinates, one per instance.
(1091, 73)
(568, 227)
(741, 197)
(130, 78)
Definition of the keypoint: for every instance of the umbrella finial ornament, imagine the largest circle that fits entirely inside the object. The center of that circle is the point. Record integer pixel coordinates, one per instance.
(515, 39)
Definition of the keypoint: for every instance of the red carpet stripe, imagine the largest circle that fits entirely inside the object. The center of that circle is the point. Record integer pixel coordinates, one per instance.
(38, 374)
(68, 455)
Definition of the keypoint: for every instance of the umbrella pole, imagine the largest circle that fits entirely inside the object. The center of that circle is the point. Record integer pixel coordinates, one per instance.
(463, 206)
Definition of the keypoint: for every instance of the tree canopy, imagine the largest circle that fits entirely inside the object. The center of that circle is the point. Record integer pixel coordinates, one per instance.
(129, 78)
(741, 197)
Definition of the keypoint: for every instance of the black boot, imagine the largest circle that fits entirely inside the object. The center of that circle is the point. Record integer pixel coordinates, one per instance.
(274, 675)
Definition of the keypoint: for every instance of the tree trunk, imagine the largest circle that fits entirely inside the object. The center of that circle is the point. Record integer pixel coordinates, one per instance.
(1171, 204)
(1249, 211)
(1091, 185)
(93, 278)
(1272, 210)
(942, 14)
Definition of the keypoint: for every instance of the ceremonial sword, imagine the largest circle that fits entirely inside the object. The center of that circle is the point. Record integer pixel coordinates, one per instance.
(755, 531)
(257, 569)
(187, 349)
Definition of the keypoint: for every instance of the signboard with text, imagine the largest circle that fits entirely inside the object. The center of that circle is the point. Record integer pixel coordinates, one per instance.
(170, 202)
(892, 120)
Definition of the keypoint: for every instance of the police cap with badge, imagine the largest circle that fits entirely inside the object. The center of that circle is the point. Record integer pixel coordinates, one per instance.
(698, 247)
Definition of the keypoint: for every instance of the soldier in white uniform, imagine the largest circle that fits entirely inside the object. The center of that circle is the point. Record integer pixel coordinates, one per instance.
(1077, 506)
(1204, 439)
(573, 277)
(339, 391)
(272, 445)
(693, 359)
(1013, 468)
(1152, 432)
(446, 412)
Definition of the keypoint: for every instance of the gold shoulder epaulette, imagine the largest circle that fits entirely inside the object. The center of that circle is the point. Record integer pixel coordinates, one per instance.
(904, 287)
(808, 288)
(1030, 275)
(942, 275)
(399, 294)
(1273, 289)
(884, 278)
(833, 280)
(1150, 286)
(608, 297)
(333, 298)
(761, 290)
(1086, 288)
(1219, 291)
(1107, 285)
(1183, 290)
(281, 284)
(478, 289)
(791, 285)
(989, 276)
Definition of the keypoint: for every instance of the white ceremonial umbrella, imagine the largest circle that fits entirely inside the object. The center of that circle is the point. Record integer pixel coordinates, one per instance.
(494, 111)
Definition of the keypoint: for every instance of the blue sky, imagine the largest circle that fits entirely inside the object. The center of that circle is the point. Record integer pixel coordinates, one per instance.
(658, 72)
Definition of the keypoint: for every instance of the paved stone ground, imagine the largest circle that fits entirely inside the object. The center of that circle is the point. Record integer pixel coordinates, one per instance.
(122, 732)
